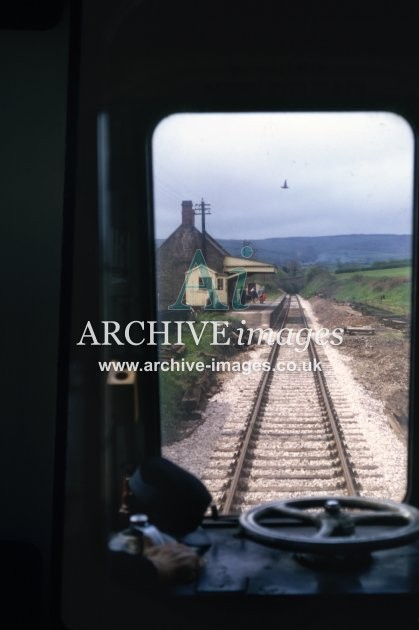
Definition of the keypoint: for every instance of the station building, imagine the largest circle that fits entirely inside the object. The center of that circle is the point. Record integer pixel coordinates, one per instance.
(174, 258)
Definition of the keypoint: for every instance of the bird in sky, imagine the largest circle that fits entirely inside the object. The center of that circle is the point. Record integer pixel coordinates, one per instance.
(285, 185)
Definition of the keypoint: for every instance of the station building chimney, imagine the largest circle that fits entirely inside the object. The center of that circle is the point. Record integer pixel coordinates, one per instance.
(188, 214)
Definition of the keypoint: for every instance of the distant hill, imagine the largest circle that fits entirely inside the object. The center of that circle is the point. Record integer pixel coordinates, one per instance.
(327, 250)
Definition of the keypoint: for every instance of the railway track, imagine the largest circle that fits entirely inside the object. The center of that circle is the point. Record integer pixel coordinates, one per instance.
(300, 438)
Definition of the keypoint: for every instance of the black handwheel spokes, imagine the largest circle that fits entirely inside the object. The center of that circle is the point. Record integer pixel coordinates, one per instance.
(380, 518)
(277, 508)
(336, 524)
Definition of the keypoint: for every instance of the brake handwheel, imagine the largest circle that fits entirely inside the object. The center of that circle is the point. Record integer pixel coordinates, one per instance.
(339, 524)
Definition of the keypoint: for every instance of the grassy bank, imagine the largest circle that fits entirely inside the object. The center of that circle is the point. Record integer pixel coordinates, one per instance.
(385, 289)
(174, 385)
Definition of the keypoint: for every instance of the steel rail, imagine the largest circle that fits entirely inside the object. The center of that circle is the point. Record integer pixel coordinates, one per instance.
(325, 401)
(331, 415)
(231, 491)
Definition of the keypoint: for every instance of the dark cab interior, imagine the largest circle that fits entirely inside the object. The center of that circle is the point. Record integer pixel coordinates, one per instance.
(130, 65)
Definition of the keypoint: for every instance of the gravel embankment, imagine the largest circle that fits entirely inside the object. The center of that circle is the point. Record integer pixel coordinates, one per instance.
(388, 448)
(232, 403)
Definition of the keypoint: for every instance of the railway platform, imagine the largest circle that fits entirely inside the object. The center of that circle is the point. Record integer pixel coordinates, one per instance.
(261, 315)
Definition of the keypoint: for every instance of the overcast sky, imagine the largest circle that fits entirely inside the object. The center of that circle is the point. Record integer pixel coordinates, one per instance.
(347, 173)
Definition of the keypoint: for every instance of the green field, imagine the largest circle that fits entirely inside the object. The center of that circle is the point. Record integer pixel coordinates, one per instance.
(394, 272)
(385, 289)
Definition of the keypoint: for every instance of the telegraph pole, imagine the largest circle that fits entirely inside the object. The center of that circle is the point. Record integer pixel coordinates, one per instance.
(203, 209)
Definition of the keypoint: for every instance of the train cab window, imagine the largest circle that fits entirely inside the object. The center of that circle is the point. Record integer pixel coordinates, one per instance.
(288, 375)
(252, 324)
